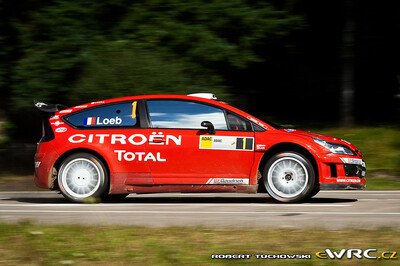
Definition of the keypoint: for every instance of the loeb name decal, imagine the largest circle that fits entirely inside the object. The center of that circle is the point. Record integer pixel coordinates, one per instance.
(226, 143)
(92, 121)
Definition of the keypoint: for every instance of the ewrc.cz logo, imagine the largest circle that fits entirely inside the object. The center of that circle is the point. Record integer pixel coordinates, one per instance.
(357, 253)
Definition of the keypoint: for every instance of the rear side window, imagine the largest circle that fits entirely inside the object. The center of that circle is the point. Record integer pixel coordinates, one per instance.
(183, 114)
(112, 115)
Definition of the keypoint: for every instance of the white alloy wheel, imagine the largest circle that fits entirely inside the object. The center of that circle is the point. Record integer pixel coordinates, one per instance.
(82, 176)
(289, 177)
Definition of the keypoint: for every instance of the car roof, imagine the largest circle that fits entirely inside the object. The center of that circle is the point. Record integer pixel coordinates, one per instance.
(165, 96)
(145, 97)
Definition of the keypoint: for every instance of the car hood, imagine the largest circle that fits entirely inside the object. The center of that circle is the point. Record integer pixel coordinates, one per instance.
(311, 134)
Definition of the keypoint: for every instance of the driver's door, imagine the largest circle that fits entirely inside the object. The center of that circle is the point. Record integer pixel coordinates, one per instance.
(186, 153)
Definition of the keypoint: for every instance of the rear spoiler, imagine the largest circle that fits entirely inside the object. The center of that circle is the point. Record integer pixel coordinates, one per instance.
(49, 107)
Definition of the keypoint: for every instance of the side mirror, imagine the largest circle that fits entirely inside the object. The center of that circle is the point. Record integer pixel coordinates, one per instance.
(209, 126)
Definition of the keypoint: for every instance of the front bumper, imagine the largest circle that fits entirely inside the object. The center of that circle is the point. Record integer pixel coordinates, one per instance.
(342, 172)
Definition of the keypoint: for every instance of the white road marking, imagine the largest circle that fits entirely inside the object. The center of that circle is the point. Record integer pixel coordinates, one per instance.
(28, 192)
(102, 205)
(396, 192)
(199, 212)
(360, 191)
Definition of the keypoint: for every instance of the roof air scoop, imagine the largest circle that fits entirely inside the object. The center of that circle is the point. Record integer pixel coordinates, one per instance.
(206, 95)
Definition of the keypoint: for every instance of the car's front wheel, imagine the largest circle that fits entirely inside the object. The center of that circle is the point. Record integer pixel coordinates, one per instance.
(81, 177)
(289, 177)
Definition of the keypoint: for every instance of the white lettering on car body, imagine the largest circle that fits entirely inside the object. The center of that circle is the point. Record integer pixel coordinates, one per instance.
(138, 156)
(135, 139)
(108, 121)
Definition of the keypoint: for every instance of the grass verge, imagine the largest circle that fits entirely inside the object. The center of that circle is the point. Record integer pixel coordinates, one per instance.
(30, 244)
(380, 147)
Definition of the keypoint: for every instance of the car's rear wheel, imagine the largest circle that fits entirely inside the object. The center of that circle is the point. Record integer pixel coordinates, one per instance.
(82, 177)
(289, 177)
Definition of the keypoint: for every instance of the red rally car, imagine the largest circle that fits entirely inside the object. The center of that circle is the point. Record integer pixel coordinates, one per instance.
(185, 143)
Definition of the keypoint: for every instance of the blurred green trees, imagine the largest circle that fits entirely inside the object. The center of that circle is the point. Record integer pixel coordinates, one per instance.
(74, 51)
(292, 51)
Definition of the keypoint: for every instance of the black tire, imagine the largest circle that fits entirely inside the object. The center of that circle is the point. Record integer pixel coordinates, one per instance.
(289, 177)
(82, 177)
(314, 191)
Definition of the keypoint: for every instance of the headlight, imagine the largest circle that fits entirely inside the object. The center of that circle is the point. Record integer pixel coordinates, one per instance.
(334, 148)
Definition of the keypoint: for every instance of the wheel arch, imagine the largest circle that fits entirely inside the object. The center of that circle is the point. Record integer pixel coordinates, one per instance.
(57, 164)
(286, 147)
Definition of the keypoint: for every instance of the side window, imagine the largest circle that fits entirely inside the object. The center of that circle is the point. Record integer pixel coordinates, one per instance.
(112, 115)
(237, 123)
(184, 114)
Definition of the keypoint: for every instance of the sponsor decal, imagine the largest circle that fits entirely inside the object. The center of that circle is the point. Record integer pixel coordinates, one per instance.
(54, 117)
(252, 119)
(97, 121)
(260, 147)
(134, 139)
(226, 181)
(57, 123)
(66, 111)
(97, 102)
(157, 138)
(81, 106)
(61, 129)
(206, 142)
(348, 180)
(226, 143)
(123, 155)
(353, 161)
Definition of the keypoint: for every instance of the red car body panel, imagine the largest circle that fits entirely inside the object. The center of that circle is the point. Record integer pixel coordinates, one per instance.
(145, 160)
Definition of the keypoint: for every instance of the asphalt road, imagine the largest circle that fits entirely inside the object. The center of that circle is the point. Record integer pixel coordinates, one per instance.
(328, 210)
